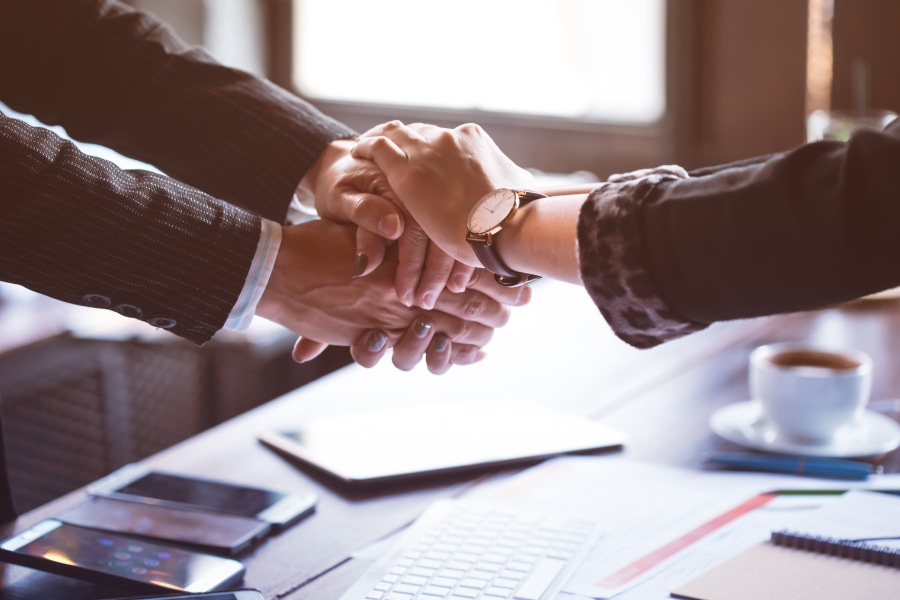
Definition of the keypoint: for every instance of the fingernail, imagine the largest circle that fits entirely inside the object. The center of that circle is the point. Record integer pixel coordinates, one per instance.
(360, 264)
(422, 328)
(389, 226)
(441, 342)
(466, 356)
(377, 340)
(428, 300)
(407, 300)
(460, 282)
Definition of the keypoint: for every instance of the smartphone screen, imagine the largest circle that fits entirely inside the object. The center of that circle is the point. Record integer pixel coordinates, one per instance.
(214, 531)
(104, 557)
(212, 495)
(135, 482)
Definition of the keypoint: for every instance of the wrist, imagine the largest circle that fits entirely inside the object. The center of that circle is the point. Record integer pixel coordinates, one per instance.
(541, 238)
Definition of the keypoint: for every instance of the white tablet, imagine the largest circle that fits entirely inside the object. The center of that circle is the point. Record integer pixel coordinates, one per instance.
(428, 438)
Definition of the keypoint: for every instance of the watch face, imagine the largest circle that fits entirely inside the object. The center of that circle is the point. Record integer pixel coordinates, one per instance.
(492, 210)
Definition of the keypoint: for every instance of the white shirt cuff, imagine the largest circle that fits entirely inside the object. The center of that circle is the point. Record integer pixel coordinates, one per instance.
(257, 278)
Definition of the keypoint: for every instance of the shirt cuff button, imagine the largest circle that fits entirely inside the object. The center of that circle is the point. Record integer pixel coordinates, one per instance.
(97, 300)
(162, 322)
(129, 310)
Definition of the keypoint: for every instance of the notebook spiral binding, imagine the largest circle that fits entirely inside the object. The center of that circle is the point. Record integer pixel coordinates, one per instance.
(870, 553)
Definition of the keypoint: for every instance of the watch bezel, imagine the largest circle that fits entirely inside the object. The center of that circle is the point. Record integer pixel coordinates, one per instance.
(479, 206)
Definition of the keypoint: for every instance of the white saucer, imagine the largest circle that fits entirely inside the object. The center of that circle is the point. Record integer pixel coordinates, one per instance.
(743, 423)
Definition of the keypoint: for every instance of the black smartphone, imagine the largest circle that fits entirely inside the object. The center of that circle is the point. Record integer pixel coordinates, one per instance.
(218, 532)
(230, 595)
(138, 484)
(114, 559)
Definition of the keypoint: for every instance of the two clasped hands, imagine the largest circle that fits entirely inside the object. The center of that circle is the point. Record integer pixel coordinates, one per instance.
(408, 189)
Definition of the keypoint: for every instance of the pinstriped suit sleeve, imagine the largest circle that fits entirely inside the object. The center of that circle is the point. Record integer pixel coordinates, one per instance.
(166, 250)
(81, 230)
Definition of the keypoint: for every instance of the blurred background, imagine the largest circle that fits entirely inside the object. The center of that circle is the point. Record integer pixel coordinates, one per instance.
(592, 87)
(565, 85)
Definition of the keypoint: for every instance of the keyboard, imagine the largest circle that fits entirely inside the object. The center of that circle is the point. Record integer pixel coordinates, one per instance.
(462, 550)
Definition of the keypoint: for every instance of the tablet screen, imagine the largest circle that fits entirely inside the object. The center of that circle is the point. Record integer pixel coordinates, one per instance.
(434, 437)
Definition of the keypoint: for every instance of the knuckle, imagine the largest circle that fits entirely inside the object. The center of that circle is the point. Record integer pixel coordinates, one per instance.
(357, 208)
(380, 143)
(469, 128)
(475, 306)
(459, 330)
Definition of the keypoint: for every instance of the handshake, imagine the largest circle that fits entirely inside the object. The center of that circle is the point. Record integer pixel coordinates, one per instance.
(405, 277)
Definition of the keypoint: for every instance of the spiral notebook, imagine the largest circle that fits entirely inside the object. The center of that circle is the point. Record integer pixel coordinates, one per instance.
(845, 551)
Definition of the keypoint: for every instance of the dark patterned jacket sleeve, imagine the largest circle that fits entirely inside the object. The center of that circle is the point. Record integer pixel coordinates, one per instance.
(663, 254)
(612, 268)
(166, 250)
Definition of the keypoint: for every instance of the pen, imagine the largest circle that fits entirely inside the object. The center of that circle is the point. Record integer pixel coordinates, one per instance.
(823, 467)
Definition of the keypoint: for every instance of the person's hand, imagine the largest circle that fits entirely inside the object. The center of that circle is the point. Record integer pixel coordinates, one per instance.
(352, 190)
(438, 174)
(482, 294)
(312, 292)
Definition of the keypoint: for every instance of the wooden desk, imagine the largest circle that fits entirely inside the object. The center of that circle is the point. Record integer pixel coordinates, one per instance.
(557, 350)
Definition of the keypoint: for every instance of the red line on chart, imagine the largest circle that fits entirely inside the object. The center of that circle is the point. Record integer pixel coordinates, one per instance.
(644, 564)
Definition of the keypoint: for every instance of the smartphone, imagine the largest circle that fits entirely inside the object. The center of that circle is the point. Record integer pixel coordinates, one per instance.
(231, 595)
(136, 483)
(218, 532)
(118, 560)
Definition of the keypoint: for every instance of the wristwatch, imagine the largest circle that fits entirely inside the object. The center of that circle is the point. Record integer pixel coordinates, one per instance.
(486, 220)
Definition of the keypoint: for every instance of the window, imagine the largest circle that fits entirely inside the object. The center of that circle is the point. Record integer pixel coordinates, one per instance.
(591, 60)
(561, 85)
(632, 83)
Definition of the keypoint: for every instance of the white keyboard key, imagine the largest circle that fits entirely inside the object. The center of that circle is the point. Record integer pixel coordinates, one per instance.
(445, 582)
(545, 572)
(436, 591)
(471, 582)
(509, 584)
(405, 588)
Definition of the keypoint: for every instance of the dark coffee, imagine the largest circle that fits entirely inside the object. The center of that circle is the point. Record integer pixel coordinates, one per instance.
(812, 358)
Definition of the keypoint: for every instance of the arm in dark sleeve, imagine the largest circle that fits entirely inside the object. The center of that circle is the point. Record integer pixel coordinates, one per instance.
(800, 230)
(81, 230)
(118, 77)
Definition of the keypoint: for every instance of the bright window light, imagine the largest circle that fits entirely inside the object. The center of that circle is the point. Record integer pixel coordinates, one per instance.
(600, 60)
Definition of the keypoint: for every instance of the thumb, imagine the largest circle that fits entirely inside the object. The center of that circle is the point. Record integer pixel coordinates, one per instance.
(370, 250)
(376, 214)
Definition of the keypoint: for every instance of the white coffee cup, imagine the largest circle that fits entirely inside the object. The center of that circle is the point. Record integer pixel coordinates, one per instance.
(808, 392)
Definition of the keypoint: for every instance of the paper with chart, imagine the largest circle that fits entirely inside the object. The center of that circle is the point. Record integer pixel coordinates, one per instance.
(663, 526)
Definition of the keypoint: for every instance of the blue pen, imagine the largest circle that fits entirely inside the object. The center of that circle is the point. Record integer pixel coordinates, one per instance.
(823, 467)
